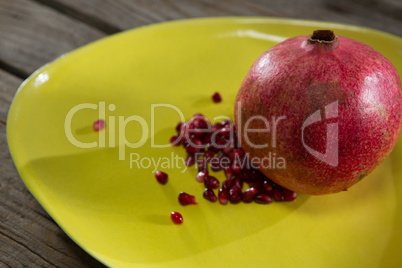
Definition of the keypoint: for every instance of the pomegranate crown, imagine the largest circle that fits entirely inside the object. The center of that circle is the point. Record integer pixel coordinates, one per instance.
(323, 37)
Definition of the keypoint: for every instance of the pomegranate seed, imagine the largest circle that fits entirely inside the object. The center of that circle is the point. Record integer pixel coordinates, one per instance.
(224, 161)
(227, 184)
(223, 196)
(267, 186)
(211, 182)
(161, 177)
(176, 140)
(236, 169)
(288, 195)
(228, 173)
(186, 199)
(200, 122)
(176, 217)
(202, 165)
(213, 149)
(201, 176)
(228, 150)
(249, 194)
(258, 185)
(99, 124)
(237, 182)
(277, 193)
(215, 164)
(209, 195)
(190, 160)
(208, 155)
(227, 122)
(194, 146)
(235, 195)
(224, 132)
(206, 139)
(216, 97)
(237, 153)
(179, 127)
(245, 175)
(217, 127)
(262, 198)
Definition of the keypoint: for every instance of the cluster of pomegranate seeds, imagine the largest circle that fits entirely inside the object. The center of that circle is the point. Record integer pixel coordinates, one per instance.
(98, 125)
(176, 217)
(161, 177)
(216, 97)
(215, 148)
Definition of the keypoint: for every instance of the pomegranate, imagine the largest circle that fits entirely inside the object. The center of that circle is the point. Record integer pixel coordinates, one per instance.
(327, 106)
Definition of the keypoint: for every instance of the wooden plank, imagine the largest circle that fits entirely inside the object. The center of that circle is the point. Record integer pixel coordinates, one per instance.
(32, 34)
(8, 86)
(28, 236)
(126, 14)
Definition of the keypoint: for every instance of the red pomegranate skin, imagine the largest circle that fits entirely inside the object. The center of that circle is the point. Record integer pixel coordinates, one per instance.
(298, 77)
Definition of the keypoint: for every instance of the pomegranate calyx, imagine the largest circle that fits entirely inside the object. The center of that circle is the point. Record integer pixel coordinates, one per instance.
(323, 36)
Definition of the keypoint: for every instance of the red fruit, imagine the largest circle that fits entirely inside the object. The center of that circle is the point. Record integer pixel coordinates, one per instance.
(216, 97)
(262, 198)
(211, 182)
(215, 164)
(99, 124)
(237, 154)
(288, 195)
(249, 194)
(217, 127)
(176, 217)
(202, 165)
(223, 196)
(209, 195)
(227, 184)
(179, 126)
(236, 169)
(237, 182)
(235, 195)
(267, 185)
(201, 176)
(333, 106)
(186, 199)
(277, 194)
(161, 177)
(176, 140)
(190, 160)
(208, 155)
(228, 173)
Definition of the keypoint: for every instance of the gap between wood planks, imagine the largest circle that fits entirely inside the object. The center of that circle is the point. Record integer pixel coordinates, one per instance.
(89, 20)
(13, 70)
(97, 23)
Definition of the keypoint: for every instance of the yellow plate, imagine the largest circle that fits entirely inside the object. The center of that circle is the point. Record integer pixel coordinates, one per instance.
(120, 215)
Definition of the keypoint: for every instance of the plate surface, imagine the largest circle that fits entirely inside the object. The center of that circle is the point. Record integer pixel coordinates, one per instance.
(105, 196)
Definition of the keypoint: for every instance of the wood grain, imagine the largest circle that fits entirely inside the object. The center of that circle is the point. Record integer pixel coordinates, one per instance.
(32, 34)
(126, 14)
(8, 86)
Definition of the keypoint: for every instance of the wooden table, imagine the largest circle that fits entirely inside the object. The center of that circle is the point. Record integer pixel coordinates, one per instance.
(34, 32)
